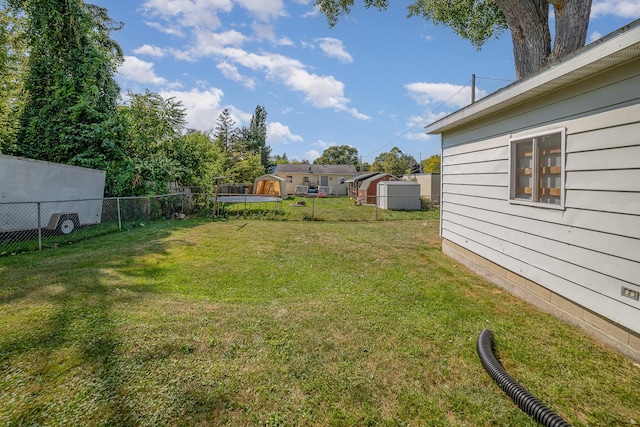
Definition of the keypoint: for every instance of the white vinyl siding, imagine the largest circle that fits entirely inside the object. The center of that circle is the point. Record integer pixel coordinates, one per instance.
(590, 249)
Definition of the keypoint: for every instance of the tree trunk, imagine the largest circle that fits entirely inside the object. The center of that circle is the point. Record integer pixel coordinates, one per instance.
(528, 22)
(572, 22)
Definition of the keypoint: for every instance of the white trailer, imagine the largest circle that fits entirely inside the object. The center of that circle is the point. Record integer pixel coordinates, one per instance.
(35, 194)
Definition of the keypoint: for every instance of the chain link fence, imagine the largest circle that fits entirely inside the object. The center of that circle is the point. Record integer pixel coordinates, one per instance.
(28, 226)
(316, 208)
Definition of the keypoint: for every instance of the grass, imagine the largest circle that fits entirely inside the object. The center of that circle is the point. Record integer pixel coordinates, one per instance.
(323, 209)
(255, 323)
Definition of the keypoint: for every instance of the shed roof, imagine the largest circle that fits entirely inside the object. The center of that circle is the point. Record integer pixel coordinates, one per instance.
(269, 177)
(362, 177)
(400, 183)
(610, 51)
(375, 178)
(318, 169)
(271, 185)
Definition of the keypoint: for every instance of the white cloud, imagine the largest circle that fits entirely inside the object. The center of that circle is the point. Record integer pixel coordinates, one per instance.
(281, 134)
(417, 136)
(188, 13)
(284, 41)
(139, 71)
(311, 155)
(167, 29)
(149, 51)
(319, 91)
(622, 8)
(263, 31)
(239, 116)
(334, 48)
(307, 45)
(447, 95)
(358, 115)
(231, 72)
(416, 125)
(312, 13)
(202, 106)
(264, 10)
(324, 144)
(594, 36)
(427, 37)
(210, 43)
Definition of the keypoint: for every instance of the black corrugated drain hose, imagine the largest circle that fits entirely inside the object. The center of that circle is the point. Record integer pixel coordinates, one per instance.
(515, 391)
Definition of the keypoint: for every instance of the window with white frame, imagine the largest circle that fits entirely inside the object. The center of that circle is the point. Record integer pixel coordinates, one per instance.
(537, 169)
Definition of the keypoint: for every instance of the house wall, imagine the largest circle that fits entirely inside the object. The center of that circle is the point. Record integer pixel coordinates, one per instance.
(429, 185)
(298, 179)
(601, 328)
(586, 252)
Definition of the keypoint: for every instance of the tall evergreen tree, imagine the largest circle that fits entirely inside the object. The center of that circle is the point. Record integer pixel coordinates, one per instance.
(245, 150)
(70, 114)
(13, 58)
(225, 133)
(258, 135)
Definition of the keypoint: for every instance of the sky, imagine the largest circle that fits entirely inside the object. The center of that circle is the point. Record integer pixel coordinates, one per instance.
(372, 82)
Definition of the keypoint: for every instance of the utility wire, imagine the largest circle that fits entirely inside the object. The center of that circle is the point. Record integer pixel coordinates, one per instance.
(421, 124)
(496, 79)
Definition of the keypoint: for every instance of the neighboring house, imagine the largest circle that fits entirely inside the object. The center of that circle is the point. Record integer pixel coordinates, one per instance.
(541, 188)
(316, 176)
(368, 188)
(429, 185)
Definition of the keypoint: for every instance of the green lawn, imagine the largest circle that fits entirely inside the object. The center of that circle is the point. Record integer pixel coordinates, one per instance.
(296, 208)
(283, 323)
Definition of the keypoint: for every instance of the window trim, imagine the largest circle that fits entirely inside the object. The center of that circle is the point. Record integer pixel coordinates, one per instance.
(513, 165)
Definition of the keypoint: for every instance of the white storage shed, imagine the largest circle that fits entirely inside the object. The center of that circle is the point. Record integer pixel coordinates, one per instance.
(399, 195)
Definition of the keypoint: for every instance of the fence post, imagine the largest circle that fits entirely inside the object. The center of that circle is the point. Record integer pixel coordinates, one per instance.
(375, 218)
(119, 215)
(39, 229)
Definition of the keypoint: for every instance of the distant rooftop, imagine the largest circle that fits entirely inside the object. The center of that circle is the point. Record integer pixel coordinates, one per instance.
(317, 169)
